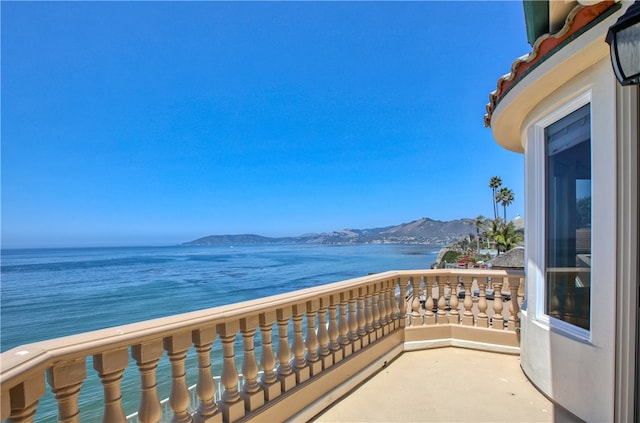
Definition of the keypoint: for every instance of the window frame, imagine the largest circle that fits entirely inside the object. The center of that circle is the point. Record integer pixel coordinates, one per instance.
(539, 128)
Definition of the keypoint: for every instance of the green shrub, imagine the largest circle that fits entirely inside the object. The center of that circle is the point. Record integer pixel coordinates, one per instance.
(451, 256)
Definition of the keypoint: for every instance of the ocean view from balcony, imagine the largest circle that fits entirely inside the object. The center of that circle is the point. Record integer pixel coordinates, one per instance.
(143, 144)
(60, 292)
(50, 293)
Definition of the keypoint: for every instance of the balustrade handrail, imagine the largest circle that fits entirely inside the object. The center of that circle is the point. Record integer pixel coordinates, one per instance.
(40, 353)
(88, 343)
(26, 360)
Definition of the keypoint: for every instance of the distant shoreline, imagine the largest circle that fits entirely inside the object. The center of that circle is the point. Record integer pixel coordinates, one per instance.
(418, 232)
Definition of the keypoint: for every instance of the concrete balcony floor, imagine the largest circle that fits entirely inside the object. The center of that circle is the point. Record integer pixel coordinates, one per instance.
(447, 385)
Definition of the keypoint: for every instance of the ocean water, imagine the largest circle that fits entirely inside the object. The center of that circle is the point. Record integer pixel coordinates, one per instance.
(48, 293)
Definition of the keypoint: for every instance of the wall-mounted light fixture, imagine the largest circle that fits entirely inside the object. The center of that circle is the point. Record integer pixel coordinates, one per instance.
(624, 39)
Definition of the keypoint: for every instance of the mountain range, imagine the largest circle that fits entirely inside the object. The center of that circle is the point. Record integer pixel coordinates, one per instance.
(421, 231)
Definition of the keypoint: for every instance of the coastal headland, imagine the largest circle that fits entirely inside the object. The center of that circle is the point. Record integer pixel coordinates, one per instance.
(422, 231)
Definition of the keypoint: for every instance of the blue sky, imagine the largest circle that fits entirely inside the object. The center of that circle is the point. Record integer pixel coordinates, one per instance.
(143, 123)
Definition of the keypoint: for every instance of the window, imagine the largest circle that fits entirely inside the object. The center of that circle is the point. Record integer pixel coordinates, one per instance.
(568, 218)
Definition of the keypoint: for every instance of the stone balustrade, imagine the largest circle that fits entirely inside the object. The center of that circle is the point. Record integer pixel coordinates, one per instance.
(329, 339)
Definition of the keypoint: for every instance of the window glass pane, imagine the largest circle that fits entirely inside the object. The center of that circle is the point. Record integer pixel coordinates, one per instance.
(568, 219)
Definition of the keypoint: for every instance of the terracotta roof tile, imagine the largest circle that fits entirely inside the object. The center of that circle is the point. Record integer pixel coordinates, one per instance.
(579, 17)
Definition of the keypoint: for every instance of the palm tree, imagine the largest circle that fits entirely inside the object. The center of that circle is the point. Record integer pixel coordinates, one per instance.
(505, 197)
(508, 237)
(479, 223)
(505, 235)
(492, 229)
(494, 183)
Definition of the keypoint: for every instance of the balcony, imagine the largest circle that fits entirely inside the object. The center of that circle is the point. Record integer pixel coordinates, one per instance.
(458, 385)
(286, 357)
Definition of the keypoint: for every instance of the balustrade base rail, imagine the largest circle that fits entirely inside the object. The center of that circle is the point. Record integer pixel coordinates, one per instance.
(350, 373)
(484, 339)
(309, 399)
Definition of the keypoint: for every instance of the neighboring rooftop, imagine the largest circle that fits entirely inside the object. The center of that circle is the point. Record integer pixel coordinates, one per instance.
(512, 259)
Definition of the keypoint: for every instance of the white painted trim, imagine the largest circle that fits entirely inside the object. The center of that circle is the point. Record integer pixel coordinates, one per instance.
(539, 141)
(570, 330)
(538, 235)
(565, 109)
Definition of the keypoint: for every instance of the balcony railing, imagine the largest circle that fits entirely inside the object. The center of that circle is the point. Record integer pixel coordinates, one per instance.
(329, 338)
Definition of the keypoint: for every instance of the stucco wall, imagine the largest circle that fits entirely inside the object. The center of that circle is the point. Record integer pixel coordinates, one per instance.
(575, 368)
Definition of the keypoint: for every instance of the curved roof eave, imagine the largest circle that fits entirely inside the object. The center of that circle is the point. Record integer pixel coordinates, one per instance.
(579, 20)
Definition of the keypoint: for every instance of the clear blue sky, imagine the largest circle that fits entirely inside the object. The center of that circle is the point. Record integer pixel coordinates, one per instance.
(142, 123)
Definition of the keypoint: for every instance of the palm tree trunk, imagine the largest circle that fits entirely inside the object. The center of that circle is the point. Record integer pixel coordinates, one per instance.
(495, 204)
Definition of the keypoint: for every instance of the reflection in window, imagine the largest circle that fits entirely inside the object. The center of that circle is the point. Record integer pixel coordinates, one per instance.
(568, 218)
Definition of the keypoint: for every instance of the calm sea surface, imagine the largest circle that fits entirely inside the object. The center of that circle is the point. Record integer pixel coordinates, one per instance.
(48, 293)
